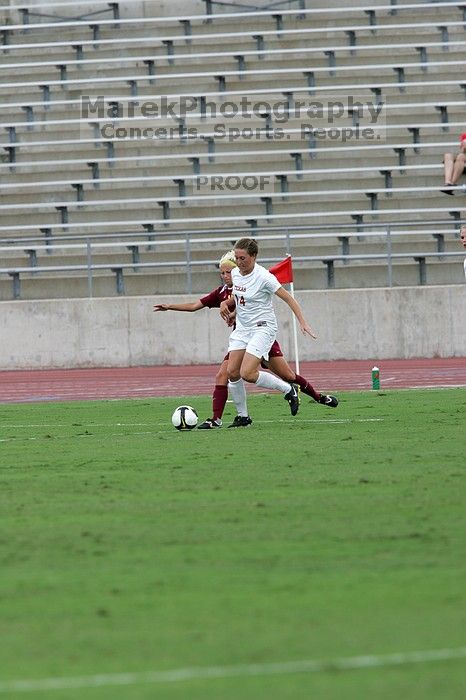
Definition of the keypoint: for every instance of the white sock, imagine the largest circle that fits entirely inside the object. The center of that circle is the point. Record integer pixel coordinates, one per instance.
(238, 394)
(270, 381)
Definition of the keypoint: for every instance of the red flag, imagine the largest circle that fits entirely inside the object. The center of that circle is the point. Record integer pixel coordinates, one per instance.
(283, 271)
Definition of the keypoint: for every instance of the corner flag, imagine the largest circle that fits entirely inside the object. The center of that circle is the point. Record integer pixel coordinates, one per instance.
(283, 271)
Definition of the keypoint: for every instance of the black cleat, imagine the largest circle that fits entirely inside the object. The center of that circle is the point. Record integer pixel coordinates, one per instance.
(209, 424)
(293, 399)
(328, 400)
(241, 422)
(448, 188)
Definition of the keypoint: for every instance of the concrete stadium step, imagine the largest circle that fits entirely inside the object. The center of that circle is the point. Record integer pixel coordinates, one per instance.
(173, 246)
(167, 65)
(323, 39)
(95, 203)
(69, 285)
(230, 141)
(111, 65)
(298, 63)
(262, 151)
(130, 177)
(79, 196)
(116, 222)
(338, 209)
(324, 22)
(152, 46)
(222, 162)
(310, 276)
(146, 92)
(403, 110)
(233, 161)
(120, 81)
(177, 253)
(394, 124)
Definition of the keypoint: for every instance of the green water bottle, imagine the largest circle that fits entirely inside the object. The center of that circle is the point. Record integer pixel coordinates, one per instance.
(375, 378)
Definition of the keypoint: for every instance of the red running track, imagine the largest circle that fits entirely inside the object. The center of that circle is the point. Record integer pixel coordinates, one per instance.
(142, 382)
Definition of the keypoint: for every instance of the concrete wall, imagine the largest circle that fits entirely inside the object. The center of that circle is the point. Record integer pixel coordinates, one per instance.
(400, 322)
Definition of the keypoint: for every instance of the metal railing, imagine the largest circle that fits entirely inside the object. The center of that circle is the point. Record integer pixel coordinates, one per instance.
(151, 235)
(193, 244)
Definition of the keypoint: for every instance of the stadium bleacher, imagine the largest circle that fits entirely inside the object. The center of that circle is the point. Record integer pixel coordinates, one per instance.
(316, 130)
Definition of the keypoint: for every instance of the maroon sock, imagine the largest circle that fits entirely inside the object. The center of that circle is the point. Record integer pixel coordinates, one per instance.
(219, 399)
(307, 388)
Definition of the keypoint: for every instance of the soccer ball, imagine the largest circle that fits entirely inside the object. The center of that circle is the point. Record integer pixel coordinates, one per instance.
(184, 418)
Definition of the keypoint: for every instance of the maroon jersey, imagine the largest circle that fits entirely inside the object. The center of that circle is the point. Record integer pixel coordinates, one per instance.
(214, 298)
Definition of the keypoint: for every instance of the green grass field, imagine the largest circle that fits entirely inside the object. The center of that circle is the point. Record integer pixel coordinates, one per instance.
(126, 546)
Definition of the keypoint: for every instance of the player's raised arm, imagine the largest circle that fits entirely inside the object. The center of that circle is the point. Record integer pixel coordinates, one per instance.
(296, 309)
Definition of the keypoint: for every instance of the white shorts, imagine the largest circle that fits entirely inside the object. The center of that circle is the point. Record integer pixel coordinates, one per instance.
(256, 341)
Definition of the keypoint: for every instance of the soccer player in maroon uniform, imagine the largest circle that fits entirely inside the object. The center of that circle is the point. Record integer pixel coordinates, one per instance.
(276, 362)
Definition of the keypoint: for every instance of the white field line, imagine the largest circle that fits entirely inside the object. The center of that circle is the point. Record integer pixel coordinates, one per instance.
(7, 426)
(350, 663)
(74, 425)
(155, 432)
(437, 386)
(321, 420)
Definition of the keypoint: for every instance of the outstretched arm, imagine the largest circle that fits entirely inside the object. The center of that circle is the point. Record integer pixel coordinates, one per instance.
(188, 306)
(296, 309)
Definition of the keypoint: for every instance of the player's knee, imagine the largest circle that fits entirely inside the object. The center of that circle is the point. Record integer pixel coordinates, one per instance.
(249, 375)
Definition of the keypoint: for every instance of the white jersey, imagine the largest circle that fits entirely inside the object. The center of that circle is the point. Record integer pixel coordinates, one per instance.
(464, 265)
(253, 294)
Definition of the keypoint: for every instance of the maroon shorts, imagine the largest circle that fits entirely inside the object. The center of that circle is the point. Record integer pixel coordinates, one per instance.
(275, 350)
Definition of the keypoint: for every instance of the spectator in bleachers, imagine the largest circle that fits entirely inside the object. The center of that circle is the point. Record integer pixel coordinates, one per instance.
(454, 167)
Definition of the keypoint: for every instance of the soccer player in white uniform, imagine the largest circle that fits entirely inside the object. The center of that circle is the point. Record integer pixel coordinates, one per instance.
(256, 329)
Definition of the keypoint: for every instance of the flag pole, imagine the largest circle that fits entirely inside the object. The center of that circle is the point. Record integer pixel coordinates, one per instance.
(295, 329)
